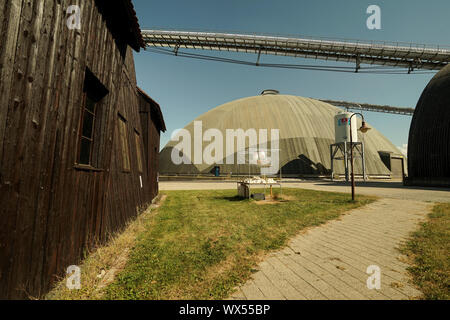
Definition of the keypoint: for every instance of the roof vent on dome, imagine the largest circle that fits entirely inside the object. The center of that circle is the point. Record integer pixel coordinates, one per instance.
(270, 92)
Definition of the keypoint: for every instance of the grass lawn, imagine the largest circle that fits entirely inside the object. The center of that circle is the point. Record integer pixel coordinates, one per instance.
(201, 244)
(429, 250)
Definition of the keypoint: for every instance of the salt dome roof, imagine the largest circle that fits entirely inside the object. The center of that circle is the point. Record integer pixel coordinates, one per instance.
(306, 130)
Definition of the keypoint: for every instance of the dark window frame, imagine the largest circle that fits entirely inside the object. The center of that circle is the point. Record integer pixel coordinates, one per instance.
(82, 127)
(93, 93)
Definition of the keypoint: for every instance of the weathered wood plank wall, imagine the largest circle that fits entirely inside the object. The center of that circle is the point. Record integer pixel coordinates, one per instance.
(52, 211)
(151, 133)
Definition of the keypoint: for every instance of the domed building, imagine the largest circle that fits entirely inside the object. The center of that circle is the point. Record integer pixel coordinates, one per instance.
(429, 136)
(306, 131)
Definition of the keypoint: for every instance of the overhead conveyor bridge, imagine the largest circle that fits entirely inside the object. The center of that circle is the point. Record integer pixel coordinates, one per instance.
(389, 54)
(371, 107)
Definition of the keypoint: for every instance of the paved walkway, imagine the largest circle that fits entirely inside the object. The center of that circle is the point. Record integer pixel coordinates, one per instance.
(382, 189)
(330, 261)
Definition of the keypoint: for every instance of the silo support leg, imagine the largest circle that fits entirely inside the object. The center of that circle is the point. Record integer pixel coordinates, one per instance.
(346, 162)
(332, 165)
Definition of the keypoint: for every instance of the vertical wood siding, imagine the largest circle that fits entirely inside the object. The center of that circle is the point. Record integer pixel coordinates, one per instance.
(52, 211)
(151, 136)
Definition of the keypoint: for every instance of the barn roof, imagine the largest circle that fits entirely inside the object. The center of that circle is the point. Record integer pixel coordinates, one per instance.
(155, 108)
(135, 27)
(122, 20)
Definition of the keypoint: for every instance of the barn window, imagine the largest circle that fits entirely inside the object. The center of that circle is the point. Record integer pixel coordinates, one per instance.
(87, 132)
(138, 151)
(124, 144)
(90, 124)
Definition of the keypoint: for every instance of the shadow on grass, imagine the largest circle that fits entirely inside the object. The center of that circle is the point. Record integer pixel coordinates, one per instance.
(246, 200)
(232, 199)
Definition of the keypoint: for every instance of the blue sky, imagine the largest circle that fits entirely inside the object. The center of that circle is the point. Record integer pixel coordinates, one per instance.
(186, 88)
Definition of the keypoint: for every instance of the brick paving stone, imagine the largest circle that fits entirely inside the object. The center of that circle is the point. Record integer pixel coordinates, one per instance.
(330, 261)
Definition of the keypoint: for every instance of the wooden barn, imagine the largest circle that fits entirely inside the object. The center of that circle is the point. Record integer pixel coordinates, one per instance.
(79, 141)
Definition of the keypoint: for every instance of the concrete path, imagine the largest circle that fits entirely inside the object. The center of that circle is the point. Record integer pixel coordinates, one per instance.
(331, 261)
(382, 189)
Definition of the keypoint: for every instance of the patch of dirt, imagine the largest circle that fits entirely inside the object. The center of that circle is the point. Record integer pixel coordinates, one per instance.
(397, 285)
(288, 198)
(118, 266)
(159, 202)
(264, 202)
(276, 200)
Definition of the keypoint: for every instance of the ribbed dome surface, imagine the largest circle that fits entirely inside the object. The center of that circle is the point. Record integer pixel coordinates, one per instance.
(306, 132)
(429, 136)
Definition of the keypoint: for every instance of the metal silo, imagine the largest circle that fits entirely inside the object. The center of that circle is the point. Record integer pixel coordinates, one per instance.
(343, 126)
